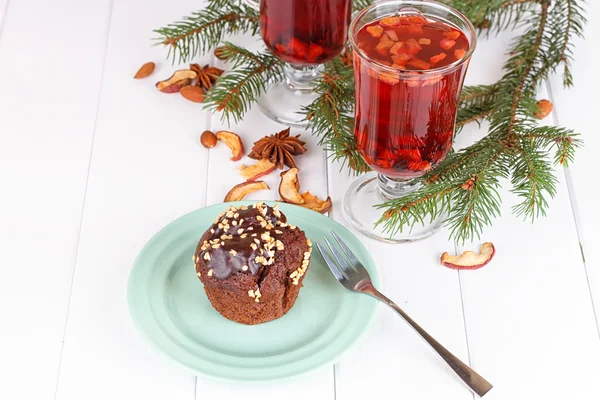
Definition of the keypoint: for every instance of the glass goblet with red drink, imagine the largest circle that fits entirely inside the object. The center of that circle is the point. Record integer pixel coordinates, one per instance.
(410, 60)
(304, 34)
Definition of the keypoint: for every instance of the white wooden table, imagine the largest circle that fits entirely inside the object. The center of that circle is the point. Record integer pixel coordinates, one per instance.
(93, 163)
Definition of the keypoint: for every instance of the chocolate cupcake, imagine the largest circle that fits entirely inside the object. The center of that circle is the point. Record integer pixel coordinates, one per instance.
(252, 263)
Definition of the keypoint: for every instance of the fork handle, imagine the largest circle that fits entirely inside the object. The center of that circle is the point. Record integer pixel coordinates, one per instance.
(473, 380)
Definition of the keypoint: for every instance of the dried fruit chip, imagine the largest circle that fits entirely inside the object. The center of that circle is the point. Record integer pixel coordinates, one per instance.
(397, 49)
(314, 52)
(418, 63)
(289, 186)
(437, 58)
(208, 139)
(401, 58)
(145, 70)
(416, 20)
(316, 204)
(452, 35)
(375, 30)
(459, 53)
(468, 259)
(447, 44)
(238, 192)
(179, 79)
(412, 46)
(384, 45)
(389, 22)
(234, 142)
(193, 93)
(392, 34)
(299, 48)
(261, 168)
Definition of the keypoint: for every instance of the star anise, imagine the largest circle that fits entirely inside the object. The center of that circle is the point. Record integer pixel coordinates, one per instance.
(280, 148)
(207, 76)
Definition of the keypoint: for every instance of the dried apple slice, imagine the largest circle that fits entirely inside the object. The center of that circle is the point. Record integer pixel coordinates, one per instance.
(447, 44)
(238, 192)
(289, 186)
(468, 259)
(392, 35)
(234, 142)
(261, 168)
(388, 22)
(375, 30)
(179, 79)
(316, 204)
(384, 45)
(460, 53)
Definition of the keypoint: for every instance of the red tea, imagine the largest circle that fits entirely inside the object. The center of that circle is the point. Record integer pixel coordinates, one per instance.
(305, 32)
(405, 113)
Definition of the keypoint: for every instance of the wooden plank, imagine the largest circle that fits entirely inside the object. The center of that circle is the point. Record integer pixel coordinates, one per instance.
(529, 317)
(575, 108)
(223, 174)
(3, 10)
(50, 70)
(147, 169)
(528, 313)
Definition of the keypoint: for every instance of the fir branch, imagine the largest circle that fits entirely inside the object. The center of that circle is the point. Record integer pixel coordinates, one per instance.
(564, 142)
(568, 23)
(528, 57)
(252, 73)
(465, 185)
(532, 180)
(330, 115)
(468, 115)
(493, 15)
(476, 104)
(205, 29)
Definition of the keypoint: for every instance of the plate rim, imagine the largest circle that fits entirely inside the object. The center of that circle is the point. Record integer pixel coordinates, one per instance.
(327, 361)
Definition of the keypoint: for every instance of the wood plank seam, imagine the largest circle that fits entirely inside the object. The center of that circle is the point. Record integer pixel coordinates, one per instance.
(85, 191)
(326, 156)
(462, 306)
(574, 211)
(327, 172)
(208, 127)
(3, 20)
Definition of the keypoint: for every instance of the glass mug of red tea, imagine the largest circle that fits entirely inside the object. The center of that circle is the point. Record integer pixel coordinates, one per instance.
(304, 34)
(410, 60)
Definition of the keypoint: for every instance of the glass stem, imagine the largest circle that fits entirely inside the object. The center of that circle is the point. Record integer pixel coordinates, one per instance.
(393, 188)
(302, 78)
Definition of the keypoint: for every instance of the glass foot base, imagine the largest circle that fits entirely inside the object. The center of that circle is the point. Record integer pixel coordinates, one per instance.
(283, 104)
(373, 189)
(284, 101)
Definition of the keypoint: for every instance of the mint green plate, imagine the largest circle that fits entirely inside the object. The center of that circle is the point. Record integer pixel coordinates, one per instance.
(168, 305)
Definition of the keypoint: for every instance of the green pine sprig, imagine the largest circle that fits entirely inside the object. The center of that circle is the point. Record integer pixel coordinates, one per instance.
(205, 29)
(465, 188)
(250, 76)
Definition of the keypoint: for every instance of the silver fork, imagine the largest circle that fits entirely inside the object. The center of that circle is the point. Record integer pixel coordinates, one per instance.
(354, 276)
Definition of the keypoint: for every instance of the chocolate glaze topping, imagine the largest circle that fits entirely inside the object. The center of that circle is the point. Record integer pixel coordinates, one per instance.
(243, 240)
